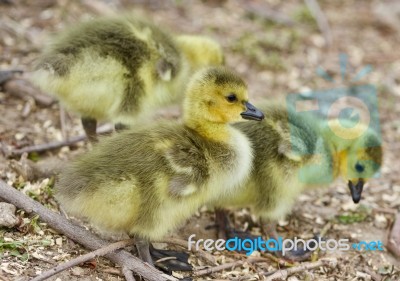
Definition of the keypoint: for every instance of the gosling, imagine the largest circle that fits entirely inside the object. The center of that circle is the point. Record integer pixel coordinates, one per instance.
(292, 153)
(148, 181)
(120, 69)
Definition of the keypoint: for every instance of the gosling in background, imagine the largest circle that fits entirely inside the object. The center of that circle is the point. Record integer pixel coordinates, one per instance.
(148, 181)
(120, 68)
(293, 152)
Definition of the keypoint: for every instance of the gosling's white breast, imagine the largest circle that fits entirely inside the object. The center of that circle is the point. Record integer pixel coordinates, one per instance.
(226, 180)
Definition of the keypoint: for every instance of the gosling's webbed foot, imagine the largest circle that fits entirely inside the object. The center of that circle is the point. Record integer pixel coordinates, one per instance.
(178, 262)
(300, 254)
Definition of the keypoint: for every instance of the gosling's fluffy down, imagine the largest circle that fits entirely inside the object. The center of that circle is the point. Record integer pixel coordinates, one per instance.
(147, 181)
(119, 68)
(293, 152)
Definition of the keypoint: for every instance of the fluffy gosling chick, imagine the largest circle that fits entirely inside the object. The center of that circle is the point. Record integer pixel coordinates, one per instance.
(148, 181)
(117, 69)
(293, 152)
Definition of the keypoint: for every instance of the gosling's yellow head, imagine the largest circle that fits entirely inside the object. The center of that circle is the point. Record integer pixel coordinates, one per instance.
(201, 51)
(359, 158)
(217, 95)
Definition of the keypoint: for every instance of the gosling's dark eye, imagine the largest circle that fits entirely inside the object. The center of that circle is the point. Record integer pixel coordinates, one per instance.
(231, 97)
(359, 168)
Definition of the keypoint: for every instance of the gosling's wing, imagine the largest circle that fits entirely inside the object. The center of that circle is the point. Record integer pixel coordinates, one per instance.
(189, 167)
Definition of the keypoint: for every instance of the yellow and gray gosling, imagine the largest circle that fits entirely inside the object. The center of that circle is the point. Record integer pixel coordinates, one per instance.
(120, 69)
(148, 181)
(293, 152)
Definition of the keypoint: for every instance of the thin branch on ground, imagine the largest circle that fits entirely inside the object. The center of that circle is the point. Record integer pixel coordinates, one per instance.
(279, 261)
(375, 276)
(184, 244)
(81, 259)
(54, 145)
(112, 270)
(6, 75)
(325, 229)
(262, 11)
(285, 273)
(230, 265)
(394, 237)
(128, 274)
(63, 122)
(127, 261)
(384, 210)
(23, 89)
(218, 268)
(267, 257)
(322, 22)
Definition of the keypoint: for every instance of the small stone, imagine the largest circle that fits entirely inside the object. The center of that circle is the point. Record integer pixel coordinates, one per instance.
(59, 241)
(177, 275)
(389, 198)
(77, 271)
(283, 222)
(363, 276)
(396, 188)
(7, 215)
(380, 221)
(255, 254)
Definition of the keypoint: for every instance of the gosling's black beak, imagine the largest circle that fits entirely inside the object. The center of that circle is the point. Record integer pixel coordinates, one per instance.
(356, 190)
(252, 113)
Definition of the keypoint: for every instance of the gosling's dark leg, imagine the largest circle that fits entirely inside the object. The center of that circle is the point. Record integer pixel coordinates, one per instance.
(226, 230)
(120, 127)
(90, 125)
(143, 248)
(269, 231)
(222, 222)
(179, 260)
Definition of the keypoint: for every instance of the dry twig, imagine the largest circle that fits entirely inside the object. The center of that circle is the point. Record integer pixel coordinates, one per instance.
(24, 89)
(127, 261)
(384, 211)
(375, 276)
(314, 256)
(221, 267)
(322, 22)
(283, 274)
(394, 237)
(54, 145)
(264, 12)
(81, 259)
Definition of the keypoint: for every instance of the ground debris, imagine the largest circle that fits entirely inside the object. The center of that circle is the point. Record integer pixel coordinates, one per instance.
(7, 215)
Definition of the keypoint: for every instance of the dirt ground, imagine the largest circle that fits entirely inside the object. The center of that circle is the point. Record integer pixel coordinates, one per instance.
(275, 59)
